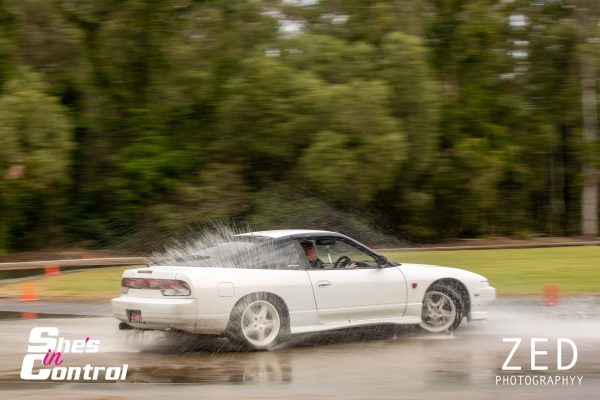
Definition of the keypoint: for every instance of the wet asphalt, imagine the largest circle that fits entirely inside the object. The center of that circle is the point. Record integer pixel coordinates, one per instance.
(373, 363)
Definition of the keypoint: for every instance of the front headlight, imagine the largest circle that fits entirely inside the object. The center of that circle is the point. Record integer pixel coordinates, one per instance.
(485, 284)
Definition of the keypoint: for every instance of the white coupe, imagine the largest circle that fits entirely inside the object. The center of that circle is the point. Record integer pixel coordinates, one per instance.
(256, 288)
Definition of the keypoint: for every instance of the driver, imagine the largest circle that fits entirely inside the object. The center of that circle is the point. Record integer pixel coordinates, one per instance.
(311, 254)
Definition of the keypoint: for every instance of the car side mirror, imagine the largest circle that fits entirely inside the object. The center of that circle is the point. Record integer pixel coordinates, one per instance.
(382, 261)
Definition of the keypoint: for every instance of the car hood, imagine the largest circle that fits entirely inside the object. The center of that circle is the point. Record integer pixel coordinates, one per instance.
(435, 271)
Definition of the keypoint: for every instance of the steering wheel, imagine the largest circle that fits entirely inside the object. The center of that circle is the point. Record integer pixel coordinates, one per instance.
(342, 262)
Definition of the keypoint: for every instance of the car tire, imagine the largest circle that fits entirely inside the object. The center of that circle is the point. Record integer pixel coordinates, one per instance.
(443, 309)
(258, 322)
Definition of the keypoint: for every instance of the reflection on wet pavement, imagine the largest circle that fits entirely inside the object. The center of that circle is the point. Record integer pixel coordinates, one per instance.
(8, 315)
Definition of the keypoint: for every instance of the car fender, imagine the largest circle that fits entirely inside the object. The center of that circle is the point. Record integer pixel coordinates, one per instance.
(419, 277)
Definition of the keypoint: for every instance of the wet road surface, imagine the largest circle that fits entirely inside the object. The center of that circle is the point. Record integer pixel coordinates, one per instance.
(358, 364)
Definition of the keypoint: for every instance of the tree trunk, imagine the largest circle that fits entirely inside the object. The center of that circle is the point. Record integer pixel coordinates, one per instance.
(589, 196)
(589, 103)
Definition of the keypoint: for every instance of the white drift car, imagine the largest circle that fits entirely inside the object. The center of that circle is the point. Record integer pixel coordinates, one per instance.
(258, 287)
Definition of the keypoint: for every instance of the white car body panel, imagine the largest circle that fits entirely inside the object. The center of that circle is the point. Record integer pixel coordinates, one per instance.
(358, 294)
(480, 296)
(316, 299)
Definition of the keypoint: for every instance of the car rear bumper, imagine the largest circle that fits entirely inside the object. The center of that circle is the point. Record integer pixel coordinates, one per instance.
(165, 313)
(158, 313)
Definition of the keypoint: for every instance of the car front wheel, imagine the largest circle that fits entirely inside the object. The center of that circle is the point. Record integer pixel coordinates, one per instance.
(442, 309)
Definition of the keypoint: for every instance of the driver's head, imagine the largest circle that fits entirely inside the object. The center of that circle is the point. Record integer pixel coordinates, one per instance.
(309, 249)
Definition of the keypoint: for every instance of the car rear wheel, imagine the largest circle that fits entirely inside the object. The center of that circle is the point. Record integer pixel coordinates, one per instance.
(442, 309)
(258, 322)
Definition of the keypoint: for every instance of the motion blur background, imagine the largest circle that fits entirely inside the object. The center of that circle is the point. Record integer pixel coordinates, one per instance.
(124, 122)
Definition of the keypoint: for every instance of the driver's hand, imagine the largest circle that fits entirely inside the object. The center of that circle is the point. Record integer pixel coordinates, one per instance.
(353, 265)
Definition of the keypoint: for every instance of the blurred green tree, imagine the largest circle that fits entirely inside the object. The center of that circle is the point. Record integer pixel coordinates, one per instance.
(267, 114)
(430, 119)
(35, 153)
(359, 145)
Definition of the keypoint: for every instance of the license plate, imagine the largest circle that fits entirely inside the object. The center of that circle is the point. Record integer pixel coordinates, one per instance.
(135, 316)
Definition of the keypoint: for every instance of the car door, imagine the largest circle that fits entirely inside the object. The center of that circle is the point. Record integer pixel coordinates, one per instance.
(366, 291)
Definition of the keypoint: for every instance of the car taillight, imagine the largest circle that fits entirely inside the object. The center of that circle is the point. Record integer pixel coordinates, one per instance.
(168, 287)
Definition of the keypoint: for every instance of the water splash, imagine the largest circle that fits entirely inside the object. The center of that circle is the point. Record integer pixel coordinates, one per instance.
(228, 246)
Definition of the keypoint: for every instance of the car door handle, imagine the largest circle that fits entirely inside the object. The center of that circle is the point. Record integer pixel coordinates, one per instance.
(323, 283)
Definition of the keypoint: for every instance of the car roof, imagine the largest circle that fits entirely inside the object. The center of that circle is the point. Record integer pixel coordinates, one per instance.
(300, 233)
(279, 233)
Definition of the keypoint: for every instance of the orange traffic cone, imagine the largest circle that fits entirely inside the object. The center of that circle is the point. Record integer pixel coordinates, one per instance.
(550, 295)
(51, 269)
(28, 292)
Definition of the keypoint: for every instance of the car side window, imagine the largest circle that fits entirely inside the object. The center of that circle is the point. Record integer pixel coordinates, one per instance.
(345, 254)
(286, 256)
(271, 255)
(329, 253)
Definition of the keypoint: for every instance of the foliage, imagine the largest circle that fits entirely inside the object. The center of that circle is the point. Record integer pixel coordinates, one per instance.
(35, 143)
(122, 123)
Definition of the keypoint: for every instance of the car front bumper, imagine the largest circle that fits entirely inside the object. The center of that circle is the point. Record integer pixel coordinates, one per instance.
(480, 301)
